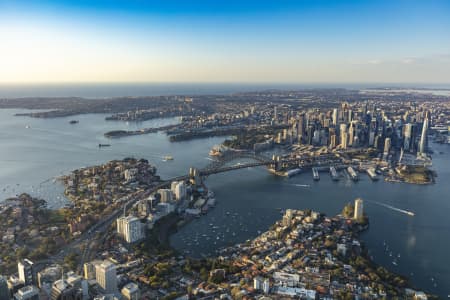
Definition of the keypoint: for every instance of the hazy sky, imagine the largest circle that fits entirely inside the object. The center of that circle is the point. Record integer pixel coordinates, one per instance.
(225, 41)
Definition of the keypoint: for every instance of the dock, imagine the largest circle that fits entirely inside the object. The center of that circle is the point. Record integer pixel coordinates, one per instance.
(353, 175)
(372, 174)
(334, 174)
(315, 174)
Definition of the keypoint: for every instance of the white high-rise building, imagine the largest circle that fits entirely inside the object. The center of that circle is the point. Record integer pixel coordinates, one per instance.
(179, 190)
(130, 229)
(166, 195)
(335, 116)
(106, 276)
(387, 146)
(26, 272)
(359, 209)
(266, 286)
(407, 137)
(89, 269)
(344, 140)
(423, 137)
(257, 283)
(351, 134)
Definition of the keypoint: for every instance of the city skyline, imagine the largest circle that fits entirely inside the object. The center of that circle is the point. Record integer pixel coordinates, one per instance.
(157, 41)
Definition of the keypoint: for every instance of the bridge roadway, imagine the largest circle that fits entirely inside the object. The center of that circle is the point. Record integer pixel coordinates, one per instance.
(217, 167)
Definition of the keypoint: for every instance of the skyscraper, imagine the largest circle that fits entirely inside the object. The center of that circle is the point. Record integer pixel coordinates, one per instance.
(407, 132)
(130, 229)
(423, 137)
(106, 276)
(359, 209)
(26, 271)
(335, 116)
(178, 189)
(387, 146)
(344, 140)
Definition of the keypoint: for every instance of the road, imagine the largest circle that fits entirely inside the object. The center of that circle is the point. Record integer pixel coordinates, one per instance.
(102, 226)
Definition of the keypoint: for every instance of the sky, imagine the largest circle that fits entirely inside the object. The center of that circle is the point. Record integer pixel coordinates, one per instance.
(280, 41)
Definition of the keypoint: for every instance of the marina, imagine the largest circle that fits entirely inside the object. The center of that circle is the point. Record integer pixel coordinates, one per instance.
(353, 175)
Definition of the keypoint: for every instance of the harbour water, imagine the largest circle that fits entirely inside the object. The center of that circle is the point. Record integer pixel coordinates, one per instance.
(248, 201)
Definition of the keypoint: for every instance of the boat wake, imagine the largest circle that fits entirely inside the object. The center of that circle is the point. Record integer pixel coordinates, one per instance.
(300, 185)
(407, 212)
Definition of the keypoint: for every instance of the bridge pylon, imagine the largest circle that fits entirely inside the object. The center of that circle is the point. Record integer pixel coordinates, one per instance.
(194, 176)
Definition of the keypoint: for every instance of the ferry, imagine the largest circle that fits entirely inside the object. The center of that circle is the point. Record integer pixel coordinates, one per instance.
(103, 145)
(372, 174)
(27, 126)
(315, 174)
(293, 172)
(73, 121)
(410, 213)
(167, 158)
(334, 174)
(353, 174)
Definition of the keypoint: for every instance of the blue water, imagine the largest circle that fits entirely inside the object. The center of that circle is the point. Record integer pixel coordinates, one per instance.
(153, 89)
(253, 196)
(31, 157)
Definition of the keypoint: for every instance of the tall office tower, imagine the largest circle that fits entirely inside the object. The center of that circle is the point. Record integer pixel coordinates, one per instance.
(257, 283)
(106, 276)
(309, 135)
(351, 134)
(333, 141)
(275, 113)
(377, 142)
(344, 140)
(266, 286)
(387, 146)
(316, 137)
(166, 195)
(301, 126)
(407, 132)
(342, 130)
(130, 229)
(359, 209)
(350, 115)
(26, 271)
(423, 138)
(371, 138)
(294, 128)
(179, 190)
(4, 291)
(29, 292)
(335, 116)
(89, 269)
(131, 291)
